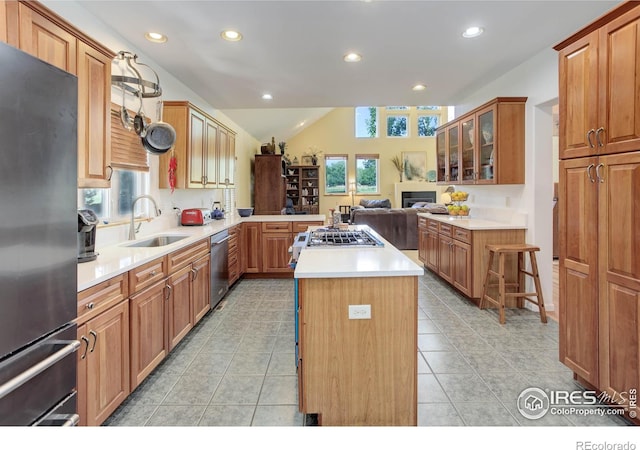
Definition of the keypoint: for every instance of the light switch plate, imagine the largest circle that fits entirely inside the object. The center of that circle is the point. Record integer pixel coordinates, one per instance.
(359, 311)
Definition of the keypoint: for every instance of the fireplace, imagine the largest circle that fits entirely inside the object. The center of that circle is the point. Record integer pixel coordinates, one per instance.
(411, 197)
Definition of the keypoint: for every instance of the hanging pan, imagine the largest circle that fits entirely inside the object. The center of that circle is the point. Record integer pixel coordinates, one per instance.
(160, 136)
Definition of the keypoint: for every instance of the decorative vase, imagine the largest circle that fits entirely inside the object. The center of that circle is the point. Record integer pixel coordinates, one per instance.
(314, 161)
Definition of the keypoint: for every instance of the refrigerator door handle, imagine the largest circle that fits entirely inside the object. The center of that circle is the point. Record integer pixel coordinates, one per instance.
(16, 382)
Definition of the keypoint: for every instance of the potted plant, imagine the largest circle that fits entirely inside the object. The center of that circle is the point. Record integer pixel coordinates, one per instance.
(282, 145)
(399, 165)
(313, 153)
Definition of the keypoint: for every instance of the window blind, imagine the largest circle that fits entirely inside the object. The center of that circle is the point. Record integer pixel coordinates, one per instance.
(127, 151)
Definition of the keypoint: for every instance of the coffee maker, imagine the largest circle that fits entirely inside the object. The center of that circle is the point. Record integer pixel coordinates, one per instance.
(87, 222)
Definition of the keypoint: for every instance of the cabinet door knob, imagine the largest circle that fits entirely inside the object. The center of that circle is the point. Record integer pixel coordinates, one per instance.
(194, 272)
(589, 167)
(598, 176)
(589, 133)
(598, 131)
(86, 348)
(169, 289)
(95, 339)
(90, 305)
(152, 273)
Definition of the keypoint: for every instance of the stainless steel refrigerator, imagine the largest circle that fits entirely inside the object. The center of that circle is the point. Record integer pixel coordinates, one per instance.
(38, 241)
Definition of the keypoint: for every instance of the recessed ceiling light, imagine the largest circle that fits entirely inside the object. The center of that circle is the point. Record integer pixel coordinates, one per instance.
(267, 97)
(155, 37)
(472, 32)
(301, 124)
(352, 57)
(419, 87)
(231, 35)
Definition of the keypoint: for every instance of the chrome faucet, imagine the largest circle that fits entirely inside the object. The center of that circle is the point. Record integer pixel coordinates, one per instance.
(132, 231)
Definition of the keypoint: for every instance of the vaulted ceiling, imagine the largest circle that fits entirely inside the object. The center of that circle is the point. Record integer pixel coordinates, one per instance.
(294, 50)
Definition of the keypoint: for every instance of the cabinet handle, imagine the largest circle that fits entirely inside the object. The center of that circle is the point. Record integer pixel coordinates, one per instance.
(90, 305)
(86, 341)
(110, 172)
(598, 167)
(195, 274)
(169, 289)
(589, 167)
(95, 339)
(589, 133)
(152, 273)
(598, 131)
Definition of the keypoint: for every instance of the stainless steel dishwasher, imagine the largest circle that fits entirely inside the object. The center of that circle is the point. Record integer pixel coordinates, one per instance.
(219, 266)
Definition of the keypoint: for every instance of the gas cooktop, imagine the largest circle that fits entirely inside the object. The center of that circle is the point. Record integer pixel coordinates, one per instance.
(343, 238)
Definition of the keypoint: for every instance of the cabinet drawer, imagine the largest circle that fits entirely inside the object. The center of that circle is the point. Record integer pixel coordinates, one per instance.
(422, 222)
(299, 227)
(276, 227)
(180, 258)
(233, 244)
(445, 229)
(99, 298)
(462, 234)
(147, 274)
(433, 225)
(234, 230)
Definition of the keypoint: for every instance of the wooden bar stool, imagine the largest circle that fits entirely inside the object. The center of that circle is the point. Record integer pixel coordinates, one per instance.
(519, 284)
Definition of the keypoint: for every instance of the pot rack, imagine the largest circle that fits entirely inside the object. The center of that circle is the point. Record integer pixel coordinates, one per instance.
(135, 84)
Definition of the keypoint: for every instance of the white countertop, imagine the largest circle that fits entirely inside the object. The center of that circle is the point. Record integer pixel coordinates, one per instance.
(349, 262)
(471, 223)
(116, 259)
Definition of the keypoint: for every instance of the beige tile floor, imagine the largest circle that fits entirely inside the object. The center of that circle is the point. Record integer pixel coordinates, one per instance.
(237, 368)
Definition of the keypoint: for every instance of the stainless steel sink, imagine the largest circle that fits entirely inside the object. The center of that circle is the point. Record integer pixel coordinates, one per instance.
(157, 241)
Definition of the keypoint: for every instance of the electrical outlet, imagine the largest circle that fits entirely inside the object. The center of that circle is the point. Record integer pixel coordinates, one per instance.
(359, 311)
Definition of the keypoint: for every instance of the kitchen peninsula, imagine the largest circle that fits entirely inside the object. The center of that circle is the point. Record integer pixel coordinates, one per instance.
(356, 334)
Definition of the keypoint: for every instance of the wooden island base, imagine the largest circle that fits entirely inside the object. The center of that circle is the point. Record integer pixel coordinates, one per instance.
(358, 371)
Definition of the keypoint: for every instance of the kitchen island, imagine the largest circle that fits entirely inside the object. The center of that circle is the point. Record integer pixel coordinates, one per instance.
(356, 334)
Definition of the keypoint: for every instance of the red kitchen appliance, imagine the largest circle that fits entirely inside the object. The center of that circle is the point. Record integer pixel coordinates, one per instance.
(196, 216)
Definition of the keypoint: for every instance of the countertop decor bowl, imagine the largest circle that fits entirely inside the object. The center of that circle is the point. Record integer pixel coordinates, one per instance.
(245, 212)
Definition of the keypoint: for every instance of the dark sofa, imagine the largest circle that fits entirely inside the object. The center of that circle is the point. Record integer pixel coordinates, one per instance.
(399, 226)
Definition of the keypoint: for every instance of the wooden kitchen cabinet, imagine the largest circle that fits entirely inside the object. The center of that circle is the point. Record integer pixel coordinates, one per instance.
(276, 240)
(188, 289)
(269, 185)
(195, 148)
(103, 357)
(599, 217)
(483, 146)
(179, 305)
(251, 246)
(234, 254)
(103, 364)
(226, 157)
(422, 239)
(578, 268)
(201, 282)
(458, 255)
(149, 335)
(204, 149)
(598, 86)
(40, 32)
(361, 373)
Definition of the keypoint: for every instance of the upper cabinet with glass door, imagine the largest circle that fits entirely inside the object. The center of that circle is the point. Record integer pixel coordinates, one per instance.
(492, 144)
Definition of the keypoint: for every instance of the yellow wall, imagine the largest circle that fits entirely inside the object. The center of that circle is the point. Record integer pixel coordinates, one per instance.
(335, 134)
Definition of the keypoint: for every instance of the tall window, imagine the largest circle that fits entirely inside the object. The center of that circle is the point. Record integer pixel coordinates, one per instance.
(367, 174)
(335, 174)
(427, 124)
(397, 125)
(366, 121)
(114, 204)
